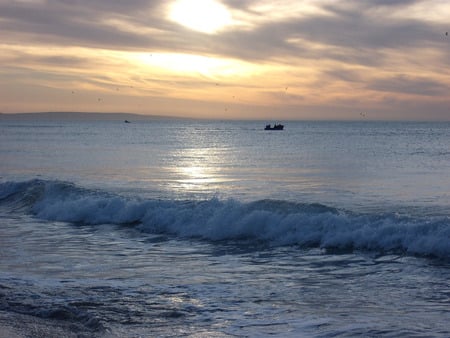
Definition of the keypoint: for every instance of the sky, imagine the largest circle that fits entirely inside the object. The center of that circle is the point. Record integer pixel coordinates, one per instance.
(249, 59)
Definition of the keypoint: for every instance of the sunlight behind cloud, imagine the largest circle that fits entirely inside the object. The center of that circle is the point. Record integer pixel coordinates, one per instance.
(431, 11)
(272, 11)
(190, 64)
(206, 16)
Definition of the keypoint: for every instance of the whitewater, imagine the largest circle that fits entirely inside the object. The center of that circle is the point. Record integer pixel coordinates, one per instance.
(221, 229)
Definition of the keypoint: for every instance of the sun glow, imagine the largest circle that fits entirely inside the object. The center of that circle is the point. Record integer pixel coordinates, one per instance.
(206, 16)
(195, 65)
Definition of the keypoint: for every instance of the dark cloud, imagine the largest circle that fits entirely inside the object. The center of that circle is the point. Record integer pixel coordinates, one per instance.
(347, 75)
(350, 35)
(409, 85)
(109, 6)
(79, 23)
(58, 60)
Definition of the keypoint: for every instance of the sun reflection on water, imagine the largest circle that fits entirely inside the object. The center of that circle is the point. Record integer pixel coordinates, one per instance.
(199, 169)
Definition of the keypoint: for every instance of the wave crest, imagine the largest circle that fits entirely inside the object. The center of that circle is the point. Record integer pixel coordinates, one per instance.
(269, 221)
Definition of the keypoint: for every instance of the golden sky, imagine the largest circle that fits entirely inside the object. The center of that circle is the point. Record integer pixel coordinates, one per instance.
(311, 59)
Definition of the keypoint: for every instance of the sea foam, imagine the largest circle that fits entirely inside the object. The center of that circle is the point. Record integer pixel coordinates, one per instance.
(272, 222)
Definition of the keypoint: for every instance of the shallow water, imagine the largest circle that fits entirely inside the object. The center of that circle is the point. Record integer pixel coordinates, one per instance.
(114, 280)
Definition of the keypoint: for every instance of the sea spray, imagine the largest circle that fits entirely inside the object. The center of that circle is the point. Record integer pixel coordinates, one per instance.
(273, 222)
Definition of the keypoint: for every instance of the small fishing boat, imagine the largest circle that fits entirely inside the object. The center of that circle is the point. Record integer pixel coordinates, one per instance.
(275, 127)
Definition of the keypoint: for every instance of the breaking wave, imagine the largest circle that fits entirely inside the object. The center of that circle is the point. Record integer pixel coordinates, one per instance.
(268, 221)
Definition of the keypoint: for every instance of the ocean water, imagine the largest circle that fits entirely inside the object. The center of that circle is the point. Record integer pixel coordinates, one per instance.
(187, 228)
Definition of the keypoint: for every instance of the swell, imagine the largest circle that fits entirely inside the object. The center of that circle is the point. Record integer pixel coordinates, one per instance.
(269, 221)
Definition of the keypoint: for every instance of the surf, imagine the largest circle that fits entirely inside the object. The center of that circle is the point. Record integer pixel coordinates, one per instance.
(271, 222)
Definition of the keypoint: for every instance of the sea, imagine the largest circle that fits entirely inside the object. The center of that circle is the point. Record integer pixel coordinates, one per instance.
(208, 228)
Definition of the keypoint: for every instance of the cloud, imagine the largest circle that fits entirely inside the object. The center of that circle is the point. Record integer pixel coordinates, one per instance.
(347, 75)
(348, 33)
(60, 24)
(347, 49)
(410, 85)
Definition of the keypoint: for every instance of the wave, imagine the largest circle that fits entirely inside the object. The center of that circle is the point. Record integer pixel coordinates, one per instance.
(273, 222)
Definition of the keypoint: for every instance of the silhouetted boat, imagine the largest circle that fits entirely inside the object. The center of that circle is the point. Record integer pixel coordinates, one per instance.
(126, 121)
(275, 127)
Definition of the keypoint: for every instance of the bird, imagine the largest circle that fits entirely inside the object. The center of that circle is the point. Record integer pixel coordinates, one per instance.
(446, 33)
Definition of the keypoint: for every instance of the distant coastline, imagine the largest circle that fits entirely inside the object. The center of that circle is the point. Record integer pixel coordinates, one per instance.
(83, 116)
(118, 116)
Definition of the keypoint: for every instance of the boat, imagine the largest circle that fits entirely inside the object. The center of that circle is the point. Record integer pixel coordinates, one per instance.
(276, 126)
